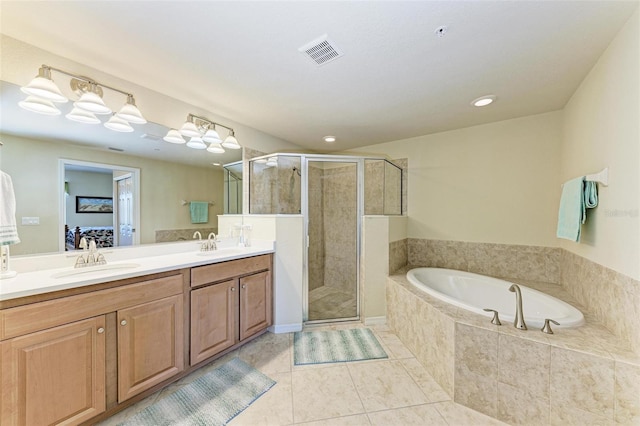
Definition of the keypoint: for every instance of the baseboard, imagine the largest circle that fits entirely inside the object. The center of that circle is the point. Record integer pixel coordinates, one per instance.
(375, 320)
(285, 328)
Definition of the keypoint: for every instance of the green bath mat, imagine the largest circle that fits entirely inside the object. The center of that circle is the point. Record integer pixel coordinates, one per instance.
(318, 347)
(211, 400)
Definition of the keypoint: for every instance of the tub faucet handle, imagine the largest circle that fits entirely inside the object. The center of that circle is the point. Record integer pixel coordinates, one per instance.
(547, 327)
(495, 320)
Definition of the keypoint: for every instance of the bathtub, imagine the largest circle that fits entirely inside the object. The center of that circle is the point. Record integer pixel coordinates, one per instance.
(475, 292)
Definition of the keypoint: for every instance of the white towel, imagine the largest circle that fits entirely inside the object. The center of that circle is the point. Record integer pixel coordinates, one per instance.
(8, 229)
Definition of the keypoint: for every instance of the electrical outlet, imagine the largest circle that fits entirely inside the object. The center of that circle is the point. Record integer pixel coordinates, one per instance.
(30, 221)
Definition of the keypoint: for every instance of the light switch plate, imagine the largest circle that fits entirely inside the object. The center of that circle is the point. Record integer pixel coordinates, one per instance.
(30, 221)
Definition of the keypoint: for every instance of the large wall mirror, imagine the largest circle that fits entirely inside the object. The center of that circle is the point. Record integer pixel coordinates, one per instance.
(87, 176)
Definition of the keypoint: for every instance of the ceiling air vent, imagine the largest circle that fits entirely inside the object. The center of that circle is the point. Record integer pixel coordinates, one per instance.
(321, 50)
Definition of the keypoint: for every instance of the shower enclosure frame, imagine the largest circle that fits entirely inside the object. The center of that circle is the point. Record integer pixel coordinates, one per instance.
(360, 162)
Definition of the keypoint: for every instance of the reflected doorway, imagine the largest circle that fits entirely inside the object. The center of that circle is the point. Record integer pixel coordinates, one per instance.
(113, 218)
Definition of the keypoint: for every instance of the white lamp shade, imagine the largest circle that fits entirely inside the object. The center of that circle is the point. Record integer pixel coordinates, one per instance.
(91, 102)
(231, 142)
(196, 143)
(83, 116)
(44, 88)
(189, 129)
(216, 148)
(212, 136)
(118, 124)
(261, 161)
(39, 105)
(131, 113)
(174, 136)
(272, 162)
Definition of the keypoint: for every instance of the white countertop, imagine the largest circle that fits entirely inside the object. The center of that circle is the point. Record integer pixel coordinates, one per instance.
(37, 274)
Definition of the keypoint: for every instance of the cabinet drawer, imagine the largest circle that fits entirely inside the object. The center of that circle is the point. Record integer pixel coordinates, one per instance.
(42, 315)
(225, 270)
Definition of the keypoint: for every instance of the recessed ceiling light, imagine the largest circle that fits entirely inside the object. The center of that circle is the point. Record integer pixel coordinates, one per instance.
(215, 164)
(483, 100)
(329, 139)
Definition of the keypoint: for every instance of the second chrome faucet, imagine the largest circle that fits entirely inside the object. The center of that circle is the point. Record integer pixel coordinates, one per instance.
(518, 322)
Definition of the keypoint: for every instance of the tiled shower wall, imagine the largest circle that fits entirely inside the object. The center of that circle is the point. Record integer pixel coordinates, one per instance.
(613, 298)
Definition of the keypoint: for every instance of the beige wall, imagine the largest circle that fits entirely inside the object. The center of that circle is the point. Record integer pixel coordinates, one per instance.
(602, 129)
(33, 166)
(496, 182)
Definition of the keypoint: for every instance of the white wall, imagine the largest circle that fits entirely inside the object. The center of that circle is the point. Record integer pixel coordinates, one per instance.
(494, 183)
(602, 129)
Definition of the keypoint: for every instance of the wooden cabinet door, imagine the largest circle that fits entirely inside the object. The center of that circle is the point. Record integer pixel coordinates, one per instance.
(213, 320)
(150, 345)
(255, 304)
(55, 376)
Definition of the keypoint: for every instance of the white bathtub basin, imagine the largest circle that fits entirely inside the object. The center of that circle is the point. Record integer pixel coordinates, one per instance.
(475, 292)
(97, 268)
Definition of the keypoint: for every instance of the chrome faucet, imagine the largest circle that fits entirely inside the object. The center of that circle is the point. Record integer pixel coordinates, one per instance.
(518, 322)
(198, 234)
(209, 244)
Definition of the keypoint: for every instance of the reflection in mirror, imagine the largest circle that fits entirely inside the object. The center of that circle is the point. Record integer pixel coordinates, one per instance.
(233, 188)
(33, 145)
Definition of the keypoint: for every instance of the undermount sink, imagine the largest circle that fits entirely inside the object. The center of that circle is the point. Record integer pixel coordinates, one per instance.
(221, 252)
(97, 268)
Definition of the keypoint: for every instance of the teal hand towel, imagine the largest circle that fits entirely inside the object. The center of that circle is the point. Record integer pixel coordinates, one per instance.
(590, 197)
(199, 211)
(571, 212)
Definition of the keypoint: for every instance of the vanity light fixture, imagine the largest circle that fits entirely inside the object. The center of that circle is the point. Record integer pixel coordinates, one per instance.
(272, 162)
(202, 130)
(43, 91)
(329, 139)
(483, 100)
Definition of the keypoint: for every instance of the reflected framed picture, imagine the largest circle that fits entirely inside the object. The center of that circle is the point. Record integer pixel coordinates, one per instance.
(94, 204)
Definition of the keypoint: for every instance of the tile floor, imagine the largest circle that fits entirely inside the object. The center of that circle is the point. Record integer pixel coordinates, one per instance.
(396, 391)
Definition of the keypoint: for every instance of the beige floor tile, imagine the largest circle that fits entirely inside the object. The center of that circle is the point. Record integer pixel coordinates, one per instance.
(432, 390)
(323, 394)
(393, 346)
(459, 415)
(269, 353)
(385, 384)
(130, 411)
(418, 415)
(275, 407)
(358, 420)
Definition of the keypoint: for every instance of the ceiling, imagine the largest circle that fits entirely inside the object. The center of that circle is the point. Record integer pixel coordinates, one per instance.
(397, 78)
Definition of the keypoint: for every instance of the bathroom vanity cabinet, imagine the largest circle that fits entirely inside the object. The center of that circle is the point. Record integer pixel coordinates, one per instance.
(230, 302)
(80, 355)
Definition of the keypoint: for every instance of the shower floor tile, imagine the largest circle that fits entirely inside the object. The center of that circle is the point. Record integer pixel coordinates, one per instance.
(330, 303)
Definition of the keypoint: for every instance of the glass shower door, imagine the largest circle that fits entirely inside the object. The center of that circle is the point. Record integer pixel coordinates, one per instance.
(332, 229)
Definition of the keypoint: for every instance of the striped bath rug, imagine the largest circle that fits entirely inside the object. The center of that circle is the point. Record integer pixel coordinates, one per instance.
(318, 347)
(211, 400)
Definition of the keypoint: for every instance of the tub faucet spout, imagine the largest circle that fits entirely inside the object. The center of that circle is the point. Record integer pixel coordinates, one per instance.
(518, 322)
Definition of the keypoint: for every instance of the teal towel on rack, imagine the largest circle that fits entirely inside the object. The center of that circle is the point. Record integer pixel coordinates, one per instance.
(199, 211)
(577, 197)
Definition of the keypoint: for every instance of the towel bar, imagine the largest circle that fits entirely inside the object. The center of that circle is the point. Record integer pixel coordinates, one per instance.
(601, 177)
(185, 202)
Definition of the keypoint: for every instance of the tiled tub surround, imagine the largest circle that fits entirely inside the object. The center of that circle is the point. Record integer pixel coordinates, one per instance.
(612, 298)
(397, 255)
(575, 376)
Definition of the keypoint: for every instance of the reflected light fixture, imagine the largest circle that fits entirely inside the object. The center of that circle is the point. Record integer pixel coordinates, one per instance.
(216, 148)
(39, 105)
(196, 143)
(174, 136)
(118, 124)
(202, 130)
(329, 139)
(483, 100)
(272, 162)
(42, 91)
(82, 116)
